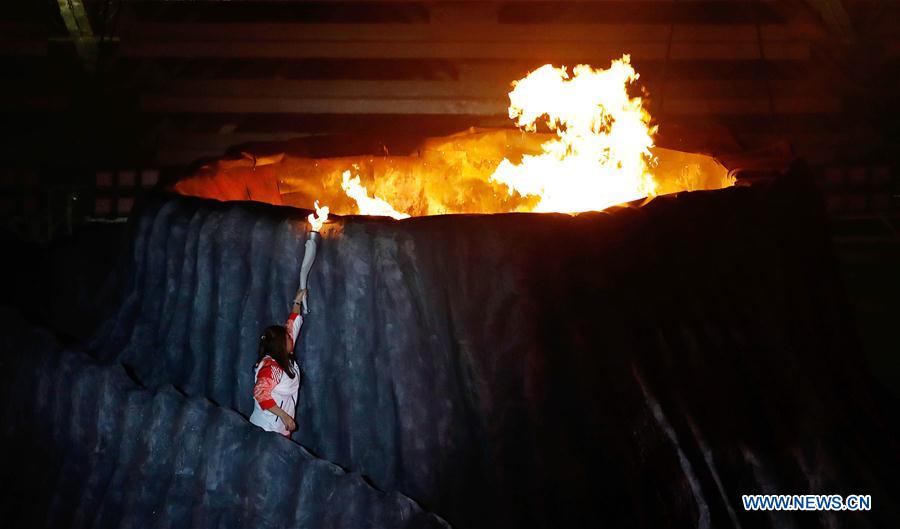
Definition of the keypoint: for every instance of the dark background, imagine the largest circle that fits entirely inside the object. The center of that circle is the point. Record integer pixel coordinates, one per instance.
(102, 101)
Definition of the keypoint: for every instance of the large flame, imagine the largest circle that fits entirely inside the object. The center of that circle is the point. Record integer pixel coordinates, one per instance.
(317, 219)
(601, 153)
(599, 156)
(368, 205)
(595, 150)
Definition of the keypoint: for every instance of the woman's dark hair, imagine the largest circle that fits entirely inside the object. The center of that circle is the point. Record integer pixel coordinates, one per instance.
(273, 343)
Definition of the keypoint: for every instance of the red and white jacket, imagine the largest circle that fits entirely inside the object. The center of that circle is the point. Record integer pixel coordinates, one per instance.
(273, 386)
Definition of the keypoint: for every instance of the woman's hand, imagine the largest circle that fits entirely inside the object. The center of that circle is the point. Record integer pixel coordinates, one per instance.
(300, 295)
(298, 300)
(289, 423)
(285, 418)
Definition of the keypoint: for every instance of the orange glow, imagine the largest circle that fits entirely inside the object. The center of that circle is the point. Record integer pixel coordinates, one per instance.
(599, 152)
(367, 205)
(599, 155)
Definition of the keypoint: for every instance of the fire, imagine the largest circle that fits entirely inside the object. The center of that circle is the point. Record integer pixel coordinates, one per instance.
(368, 205)
(595, 149)
(317, 219)
(601, 153)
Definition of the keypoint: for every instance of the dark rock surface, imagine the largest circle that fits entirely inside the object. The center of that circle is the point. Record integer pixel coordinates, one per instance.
(641, 367)
(88, 447)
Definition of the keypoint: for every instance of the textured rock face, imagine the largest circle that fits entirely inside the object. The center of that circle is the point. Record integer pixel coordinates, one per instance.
(642, 367)
(87, 447)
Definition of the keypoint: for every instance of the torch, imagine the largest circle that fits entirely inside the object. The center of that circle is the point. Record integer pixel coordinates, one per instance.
(316, 220)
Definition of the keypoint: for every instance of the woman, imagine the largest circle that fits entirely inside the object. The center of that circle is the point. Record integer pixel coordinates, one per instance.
(278, 375)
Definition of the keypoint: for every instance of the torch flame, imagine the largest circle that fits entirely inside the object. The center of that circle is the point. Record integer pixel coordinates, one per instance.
(368, 205)
(317, 219)
(603, 138)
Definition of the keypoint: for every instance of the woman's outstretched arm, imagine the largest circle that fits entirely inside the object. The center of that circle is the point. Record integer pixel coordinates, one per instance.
(295, 320)
(298, 300)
